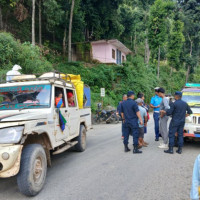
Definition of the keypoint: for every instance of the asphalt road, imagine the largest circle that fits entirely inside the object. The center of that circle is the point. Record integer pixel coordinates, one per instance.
(105, 172)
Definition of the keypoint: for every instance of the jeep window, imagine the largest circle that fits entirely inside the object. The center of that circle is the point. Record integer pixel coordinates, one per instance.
(192, 98)
(29, 96)
(71, 98)
(59, 97)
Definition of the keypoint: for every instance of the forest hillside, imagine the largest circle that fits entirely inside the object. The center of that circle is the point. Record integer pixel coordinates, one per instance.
(163, 35)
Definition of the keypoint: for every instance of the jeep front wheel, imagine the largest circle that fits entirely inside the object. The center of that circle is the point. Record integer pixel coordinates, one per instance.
(33, 169)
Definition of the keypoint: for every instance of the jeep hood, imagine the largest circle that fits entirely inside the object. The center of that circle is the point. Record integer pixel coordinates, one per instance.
(195, 110)
(21, 116)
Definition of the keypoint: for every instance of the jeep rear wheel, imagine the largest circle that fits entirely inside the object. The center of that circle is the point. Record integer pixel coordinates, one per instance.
(81, 145)
(33, 168)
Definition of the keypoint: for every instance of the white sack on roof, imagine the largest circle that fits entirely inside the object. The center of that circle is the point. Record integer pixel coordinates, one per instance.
(12, 73)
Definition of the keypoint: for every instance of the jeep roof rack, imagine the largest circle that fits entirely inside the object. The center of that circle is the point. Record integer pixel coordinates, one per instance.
(56, 77)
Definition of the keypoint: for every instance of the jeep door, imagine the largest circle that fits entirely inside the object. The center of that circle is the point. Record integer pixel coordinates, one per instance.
(60, 113)
(73, 112)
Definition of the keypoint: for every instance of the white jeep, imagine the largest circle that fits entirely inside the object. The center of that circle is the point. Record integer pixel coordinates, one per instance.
(32, 127)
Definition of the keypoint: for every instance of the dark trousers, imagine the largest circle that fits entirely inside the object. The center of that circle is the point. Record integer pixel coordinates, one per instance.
(122, 129)
(130, 129)
(156, 123)
(145, 129)
(173, 129)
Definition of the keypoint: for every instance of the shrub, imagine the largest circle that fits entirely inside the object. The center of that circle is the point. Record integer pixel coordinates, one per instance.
(29, 57)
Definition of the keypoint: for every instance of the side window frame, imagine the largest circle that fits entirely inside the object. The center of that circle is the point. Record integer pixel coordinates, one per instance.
(75, 97)
(64, 95)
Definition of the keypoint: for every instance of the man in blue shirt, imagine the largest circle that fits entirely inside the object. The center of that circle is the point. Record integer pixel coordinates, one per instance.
(130, 114)
(155, 104)
(178, 110)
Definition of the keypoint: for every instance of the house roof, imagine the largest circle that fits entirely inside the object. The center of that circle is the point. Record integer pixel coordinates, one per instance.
(116, 43)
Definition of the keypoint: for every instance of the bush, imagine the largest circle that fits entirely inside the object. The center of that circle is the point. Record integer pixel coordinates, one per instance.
(117, 80)
(29, 57)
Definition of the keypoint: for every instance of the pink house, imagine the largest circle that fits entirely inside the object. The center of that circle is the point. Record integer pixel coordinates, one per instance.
(103, 51)
(109, 51)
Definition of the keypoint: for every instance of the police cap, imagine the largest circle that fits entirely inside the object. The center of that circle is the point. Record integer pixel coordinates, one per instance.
(178, 93)
(130, 93)
(156, 89)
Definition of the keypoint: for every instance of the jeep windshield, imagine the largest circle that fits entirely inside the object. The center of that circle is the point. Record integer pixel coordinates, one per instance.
(192, 98)
(25, 97)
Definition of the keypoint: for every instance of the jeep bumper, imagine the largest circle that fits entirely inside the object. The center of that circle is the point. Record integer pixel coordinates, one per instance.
(10, 156)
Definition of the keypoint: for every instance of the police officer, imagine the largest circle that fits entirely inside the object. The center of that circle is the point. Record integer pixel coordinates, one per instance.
(178, 110)
(130, 114)
(155, 104)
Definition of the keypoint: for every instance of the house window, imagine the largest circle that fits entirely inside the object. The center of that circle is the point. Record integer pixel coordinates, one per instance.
(123, 58)
(113, 53)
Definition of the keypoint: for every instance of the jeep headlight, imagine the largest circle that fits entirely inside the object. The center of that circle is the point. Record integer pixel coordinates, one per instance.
(188, 119)
(11, 135)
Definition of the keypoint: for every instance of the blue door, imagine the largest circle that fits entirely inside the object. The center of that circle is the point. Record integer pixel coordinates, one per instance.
(119, 57)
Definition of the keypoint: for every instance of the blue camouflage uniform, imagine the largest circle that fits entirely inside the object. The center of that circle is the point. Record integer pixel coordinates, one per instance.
(156, 101)
(130, 108)
(177, 110)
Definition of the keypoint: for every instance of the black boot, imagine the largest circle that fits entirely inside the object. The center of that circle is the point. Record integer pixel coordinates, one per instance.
(135, 150)
(126, 149)
(179, 151)
(170, 150)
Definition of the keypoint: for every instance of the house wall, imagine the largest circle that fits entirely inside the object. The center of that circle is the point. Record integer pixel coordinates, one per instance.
(103, 53)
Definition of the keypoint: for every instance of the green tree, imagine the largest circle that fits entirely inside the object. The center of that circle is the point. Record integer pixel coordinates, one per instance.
(175, 44)
(54, 14)
(101, 19)
(158, 27)
(191, 16)
(4, 7)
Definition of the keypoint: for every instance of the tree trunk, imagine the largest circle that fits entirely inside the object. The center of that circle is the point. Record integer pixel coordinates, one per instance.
(1, 19)
(70, 32)
(171, 71)
(65, 35)
(40, 23)
(147, 51)
(5, 24)
(189, 67)
(54, 38)
(86, 34)
(187, 73)
(33, 22)
(135, 40)
(158, 62)
(64, 41)
(131, 41)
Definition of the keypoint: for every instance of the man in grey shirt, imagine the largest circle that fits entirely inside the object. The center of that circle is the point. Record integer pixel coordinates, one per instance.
(163, 118)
